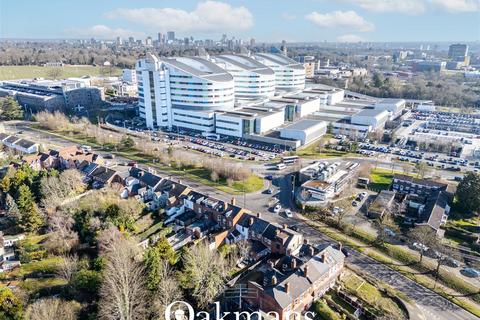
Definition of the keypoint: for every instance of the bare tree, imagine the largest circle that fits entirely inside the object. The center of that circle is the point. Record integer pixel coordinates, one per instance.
(244, 248)
(55, 73)
(67, 268)
(168, 290)
(424, 235)
(205, 271)
(123, 295)
(62, 237)
(51, 308)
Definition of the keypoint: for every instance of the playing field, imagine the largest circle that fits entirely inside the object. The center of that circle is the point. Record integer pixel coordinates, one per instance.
(28, 72)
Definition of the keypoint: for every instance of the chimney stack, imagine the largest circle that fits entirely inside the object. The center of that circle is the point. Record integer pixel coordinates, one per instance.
(311, 251)
(285, 226)
(271, 264)
(274, 281)
(293, 264)
(250, 221)
(324, 257)
(305, 241)
(287, 287)
(233, 201)
(258, 214)
(305, 271)
(340, 246)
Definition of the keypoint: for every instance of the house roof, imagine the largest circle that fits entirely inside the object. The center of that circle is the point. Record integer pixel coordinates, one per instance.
(298, 281)
(103, 174)
(145, 177)
(25, 143)
(3, 136)
(424, 182)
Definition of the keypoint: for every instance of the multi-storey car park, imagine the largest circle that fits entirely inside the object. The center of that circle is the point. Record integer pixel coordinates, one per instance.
(253, 80)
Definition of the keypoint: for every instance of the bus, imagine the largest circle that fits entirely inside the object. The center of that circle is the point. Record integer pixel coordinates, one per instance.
(289, 159)
(280, 166)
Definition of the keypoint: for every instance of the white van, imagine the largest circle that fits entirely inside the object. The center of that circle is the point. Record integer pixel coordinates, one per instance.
(280, 166)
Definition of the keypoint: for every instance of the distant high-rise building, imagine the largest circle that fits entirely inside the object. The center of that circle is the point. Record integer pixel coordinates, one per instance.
(252, 42)
(186, 41)
(119, 41)
(458, 51)
(283, 48)
(224, 38)
(148, 41)
(131, 40)
(160, 38)
(171, 35)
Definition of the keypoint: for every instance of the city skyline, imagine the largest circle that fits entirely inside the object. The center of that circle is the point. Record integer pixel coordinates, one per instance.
(266, 21)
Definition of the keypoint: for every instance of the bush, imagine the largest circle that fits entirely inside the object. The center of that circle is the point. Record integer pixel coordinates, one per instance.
(87, 280)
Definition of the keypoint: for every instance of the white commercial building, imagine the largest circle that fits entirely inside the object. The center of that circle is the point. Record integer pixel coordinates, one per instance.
(370, 117)
(182, 92)
(393, 106)
(129, 75)
(306, 131)
(252, 79)
(289, 74)
(328, 95)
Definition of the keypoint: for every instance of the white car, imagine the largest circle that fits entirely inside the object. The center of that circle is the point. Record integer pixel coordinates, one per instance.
(288, 213)
(277, 208)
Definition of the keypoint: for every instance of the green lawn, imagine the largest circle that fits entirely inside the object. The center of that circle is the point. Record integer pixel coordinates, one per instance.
(380, 179)
(48, 265)
(370, 294)
(25, 72)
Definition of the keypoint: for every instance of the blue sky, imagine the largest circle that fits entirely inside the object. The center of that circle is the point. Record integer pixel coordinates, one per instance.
(264, 20)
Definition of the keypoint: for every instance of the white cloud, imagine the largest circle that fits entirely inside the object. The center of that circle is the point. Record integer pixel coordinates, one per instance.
(101, 31)
(340, 19)
(208, 16)
(349, 38)
(288, 16)
(457, 5)
(417, 6)
(405, 6)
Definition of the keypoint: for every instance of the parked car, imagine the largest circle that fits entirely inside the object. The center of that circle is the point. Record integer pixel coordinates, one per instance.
(470, 272)
(354, 203)
(452, 262)
(346, 251)
(288, 213)
(269, 191)
(277, 208)
(269, 177)
(419, 246)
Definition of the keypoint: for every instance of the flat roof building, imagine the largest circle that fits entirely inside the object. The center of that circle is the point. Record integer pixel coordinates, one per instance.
(306, 131)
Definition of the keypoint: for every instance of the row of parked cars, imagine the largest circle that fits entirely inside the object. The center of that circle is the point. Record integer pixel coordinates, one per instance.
(449, 261)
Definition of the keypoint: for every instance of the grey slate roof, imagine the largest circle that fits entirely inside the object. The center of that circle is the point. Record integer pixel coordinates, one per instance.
(299, 283)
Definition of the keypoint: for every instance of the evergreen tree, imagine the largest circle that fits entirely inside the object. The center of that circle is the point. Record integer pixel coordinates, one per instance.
(10, 109)
(31, 219)
(468, 192)
(13, 213)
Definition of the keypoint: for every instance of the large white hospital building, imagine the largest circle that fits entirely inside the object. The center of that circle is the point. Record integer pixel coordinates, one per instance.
(259, 97)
